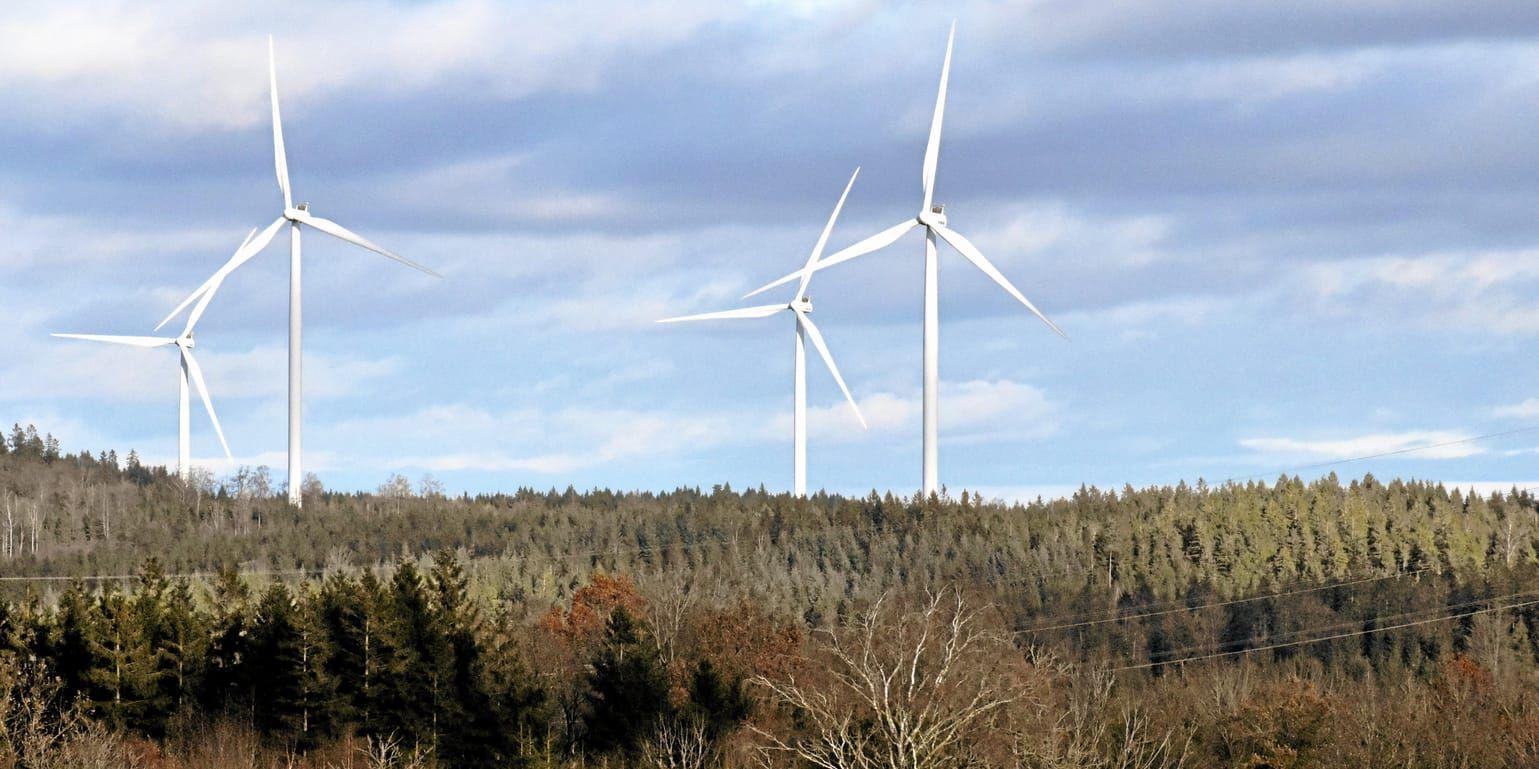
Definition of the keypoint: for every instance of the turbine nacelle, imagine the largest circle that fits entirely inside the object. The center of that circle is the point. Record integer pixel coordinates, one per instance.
(803, 304)
(298, 213)
(186, 342)
(934, 216)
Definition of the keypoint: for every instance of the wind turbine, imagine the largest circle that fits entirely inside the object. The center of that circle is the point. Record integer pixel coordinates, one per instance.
(801, 308)
(190, 371)
(933, 218)
(293, 215)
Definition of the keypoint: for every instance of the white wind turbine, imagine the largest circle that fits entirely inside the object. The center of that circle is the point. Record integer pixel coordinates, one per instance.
(933, 218)
(800, 307)
(190, 371)
(294, 215)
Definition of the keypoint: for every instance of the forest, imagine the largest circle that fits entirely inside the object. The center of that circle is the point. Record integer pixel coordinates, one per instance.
(151, 621)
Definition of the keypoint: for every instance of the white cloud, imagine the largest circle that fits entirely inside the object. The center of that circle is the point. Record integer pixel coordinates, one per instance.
(1528, 408)
(580, 438)
(1469, 291)
(971, 411)
(192, 64)
(1422, 444)
(58, 368)
(1486, 488)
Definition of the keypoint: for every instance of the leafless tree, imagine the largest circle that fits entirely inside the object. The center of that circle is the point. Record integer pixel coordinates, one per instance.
(678, 743)
(919, 689)
(1085, 729)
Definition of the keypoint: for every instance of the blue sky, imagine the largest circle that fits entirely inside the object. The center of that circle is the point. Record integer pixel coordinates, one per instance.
(1277, 236)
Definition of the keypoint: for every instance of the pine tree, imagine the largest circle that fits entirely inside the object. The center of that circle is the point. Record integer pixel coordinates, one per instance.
(282, 656)
(73, 643)
(627, 688)
(226, 685)
(345, 613)
(468, 728)
(717, 701)
(411, 682)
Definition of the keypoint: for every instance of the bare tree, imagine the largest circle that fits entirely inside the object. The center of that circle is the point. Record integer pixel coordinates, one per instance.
(1088, 731)
(922, 689)
(678, 743)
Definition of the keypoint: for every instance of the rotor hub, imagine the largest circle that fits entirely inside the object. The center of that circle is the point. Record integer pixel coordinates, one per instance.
(935, 215)
(804, 304)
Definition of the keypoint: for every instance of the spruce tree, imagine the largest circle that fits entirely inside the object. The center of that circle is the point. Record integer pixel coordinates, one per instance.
(627, 688)
(411, 672)
(284, 687)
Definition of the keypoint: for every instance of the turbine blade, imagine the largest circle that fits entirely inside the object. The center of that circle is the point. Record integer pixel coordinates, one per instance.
(208, 403)
(131, 341)
(338, 231)
(212, 285)
(981, 262)
(817, 251)
(280, 157)
(879, 240)
(762, 311)
(932, 149)
(828, 359)
(250, 248)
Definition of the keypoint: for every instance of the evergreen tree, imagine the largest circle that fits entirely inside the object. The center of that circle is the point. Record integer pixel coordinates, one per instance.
(74, 643)
(227, 687)
(282, 659)
(627, 688)
(717, 701)
(411, 680)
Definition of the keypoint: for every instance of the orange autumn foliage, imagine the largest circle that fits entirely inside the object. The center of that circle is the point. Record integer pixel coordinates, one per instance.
(592, 604)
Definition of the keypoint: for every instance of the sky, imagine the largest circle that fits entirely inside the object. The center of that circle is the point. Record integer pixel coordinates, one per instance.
(1280, 236)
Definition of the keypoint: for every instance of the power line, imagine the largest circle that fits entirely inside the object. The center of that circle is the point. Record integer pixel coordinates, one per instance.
(1335, 637)
(1143, 615)
(1335, 626)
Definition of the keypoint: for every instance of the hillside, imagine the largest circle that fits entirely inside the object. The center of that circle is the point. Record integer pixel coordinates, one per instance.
(1304, 611)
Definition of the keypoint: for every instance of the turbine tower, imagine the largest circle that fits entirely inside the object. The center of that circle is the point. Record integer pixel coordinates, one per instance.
(190, 373)
(294, 215)
(801, 308)
(933, 218)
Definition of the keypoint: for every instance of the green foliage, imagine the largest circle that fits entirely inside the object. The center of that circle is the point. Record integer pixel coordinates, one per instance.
(627, 688)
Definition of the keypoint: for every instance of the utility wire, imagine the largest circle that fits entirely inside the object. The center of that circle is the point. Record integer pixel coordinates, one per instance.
(1179, 654)
(1138, 614)
(1337, 636)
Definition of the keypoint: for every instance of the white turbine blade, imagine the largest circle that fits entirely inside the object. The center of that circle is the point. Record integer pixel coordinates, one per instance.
(817, 341)
(932, 150)
(208, 403)
(280, 157)
(131, 341)
(250, 248)
(879, 240)
(817, 250)
(211, 286)
(338, 231)
(762, 311)
(981, 262)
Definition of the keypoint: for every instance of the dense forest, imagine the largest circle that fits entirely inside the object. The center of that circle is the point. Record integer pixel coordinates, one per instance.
(148, 621)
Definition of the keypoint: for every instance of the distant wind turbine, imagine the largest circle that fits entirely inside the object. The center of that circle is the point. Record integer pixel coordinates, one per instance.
(933, 218)
(801, 307)
(190, 371)
(294, 215)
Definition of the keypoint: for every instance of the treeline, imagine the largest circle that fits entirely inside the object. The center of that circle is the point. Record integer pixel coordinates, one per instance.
(406, 669)
(409, 660)
(1287, 624)
(86, 515)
